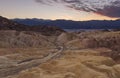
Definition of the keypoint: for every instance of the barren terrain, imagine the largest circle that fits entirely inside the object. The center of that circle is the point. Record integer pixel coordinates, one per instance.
(89, 54)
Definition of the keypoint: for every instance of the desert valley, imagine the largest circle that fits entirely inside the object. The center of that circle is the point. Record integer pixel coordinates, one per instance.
(51, 52)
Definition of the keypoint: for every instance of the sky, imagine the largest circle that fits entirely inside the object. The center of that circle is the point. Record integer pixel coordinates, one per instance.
(80, 10)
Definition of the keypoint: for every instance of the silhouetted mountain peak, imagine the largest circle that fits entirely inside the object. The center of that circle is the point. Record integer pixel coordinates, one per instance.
(6, 22)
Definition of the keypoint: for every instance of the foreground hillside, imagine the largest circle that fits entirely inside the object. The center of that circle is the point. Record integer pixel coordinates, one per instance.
(89, 54)
(86, 63)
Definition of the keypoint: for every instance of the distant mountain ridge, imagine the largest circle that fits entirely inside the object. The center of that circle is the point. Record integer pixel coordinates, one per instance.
(69, 24)
(6, 24)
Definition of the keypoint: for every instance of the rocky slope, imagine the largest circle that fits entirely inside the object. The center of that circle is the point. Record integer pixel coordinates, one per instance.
(85, 63)
(24, 39)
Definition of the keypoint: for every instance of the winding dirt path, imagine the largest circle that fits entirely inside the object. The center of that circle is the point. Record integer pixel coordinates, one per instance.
(29, 64)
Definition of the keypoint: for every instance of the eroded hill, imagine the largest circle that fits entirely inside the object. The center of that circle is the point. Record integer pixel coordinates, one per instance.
(75, 59)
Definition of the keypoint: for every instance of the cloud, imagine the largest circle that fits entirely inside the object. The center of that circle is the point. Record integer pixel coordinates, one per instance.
(110, 8)
(110, 11)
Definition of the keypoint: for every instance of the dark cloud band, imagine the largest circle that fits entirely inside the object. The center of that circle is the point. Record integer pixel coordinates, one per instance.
(110, 8)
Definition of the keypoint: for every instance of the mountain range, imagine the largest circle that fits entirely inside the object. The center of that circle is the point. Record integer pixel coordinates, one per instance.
(6, 24)
(69, 24)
